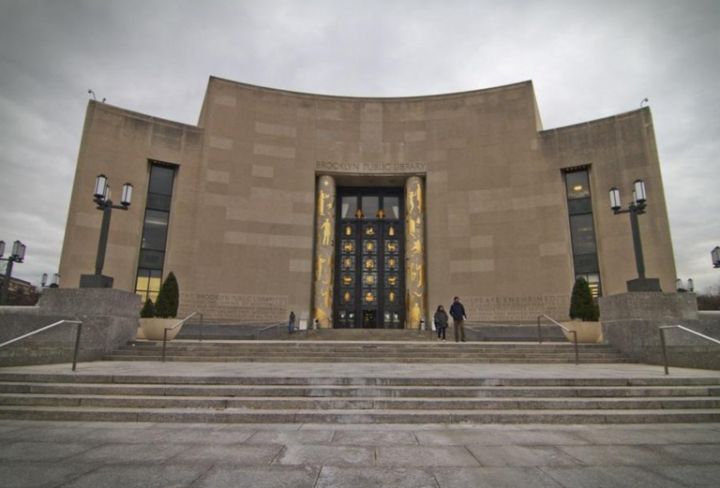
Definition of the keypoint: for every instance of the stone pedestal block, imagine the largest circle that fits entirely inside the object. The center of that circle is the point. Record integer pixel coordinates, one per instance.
(109, 319)
(631, 320)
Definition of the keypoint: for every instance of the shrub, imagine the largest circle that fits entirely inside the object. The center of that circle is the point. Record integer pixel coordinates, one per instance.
(168, 298)
(148, 310)
(582, 305)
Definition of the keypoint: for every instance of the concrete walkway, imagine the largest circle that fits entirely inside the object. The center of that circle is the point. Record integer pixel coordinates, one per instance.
(389, 370)
(66, 454)
(125, 455)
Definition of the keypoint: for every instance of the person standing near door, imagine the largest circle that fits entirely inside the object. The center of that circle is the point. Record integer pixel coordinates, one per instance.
(457, 312)
(441, 321)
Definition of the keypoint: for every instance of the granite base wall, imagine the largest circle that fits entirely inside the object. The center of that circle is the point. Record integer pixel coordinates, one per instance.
(109, 317)
(631, 320)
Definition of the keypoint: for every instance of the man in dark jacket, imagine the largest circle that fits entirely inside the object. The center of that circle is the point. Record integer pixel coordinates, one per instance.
(457, 312)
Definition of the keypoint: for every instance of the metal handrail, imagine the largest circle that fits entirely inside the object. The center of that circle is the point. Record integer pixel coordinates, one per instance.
(573, 332)
(181, 322)
(271, 326)
(661, 331)
(55, 324)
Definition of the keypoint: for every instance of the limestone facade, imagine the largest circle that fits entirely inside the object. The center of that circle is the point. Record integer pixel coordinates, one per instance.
(243, 233)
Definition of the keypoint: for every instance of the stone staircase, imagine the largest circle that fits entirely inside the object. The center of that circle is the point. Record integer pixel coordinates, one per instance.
(354, 351)
(362, 399)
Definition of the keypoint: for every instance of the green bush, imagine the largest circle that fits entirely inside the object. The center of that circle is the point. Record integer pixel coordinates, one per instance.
(148, 310)
(168, 299)
(582, 305)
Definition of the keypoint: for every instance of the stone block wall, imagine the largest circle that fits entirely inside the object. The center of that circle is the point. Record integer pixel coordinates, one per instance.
(109, 319)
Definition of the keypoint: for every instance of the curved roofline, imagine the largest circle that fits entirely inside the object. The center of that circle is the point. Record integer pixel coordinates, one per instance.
(366, 98)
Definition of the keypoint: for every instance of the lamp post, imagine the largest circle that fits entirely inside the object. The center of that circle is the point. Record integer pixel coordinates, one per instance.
(637, 207)
(101, 197)
(17, 255)
(55, 283)
(715, 254)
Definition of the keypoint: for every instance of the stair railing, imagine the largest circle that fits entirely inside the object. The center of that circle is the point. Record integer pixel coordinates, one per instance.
(181, 322)
(48, 327)
(262, 331)
(574, 334)
(663, 328)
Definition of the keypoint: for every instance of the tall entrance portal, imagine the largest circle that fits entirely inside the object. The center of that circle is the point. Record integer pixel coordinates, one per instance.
(370, 258)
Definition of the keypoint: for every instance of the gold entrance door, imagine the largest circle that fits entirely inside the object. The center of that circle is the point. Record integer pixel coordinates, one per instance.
(369, 267)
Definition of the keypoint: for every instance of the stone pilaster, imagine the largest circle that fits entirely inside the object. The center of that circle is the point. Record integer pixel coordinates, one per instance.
(324, 252)
(414, 252)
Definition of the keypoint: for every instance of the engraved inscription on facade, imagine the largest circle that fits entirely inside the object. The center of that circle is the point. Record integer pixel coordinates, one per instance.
(371, 167)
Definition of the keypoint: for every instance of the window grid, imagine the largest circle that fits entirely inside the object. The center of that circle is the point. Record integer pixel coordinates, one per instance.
(155, 230)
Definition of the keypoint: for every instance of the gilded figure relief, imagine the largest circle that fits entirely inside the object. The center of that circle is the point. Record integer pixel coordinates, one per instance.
(326, 229)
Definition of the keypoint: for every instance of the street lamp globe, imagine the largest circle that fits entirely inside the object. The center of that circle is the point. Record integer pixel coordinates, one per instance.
(615, 203)
(127, 191)
(715, 253)
(639, 192)
(100, 187)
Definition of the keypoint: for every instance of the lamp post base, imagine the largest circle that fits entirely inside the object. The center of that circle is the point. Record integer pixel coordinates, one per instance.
(95, 281)
(644, 284)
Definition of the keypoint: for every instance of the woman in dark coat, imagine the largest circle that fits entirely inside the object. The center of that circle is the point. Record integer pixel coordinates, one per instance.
(441, 321)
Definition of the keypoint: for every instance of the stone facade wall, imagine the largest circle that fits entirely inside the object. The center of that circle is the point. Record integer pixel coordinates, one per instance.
(242, 220)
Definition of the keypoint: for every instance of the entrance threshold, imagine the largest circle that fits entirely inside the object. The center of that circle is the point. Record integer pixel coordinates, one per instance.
(370, 335)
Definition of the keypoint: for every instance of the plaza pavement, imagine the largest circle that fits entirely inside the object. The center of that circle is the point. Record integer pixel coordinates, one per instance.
(100, 454)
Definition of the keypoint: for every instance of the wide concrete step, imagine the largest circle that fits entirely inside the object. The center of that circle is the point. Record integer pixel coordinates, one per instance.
(357, 403)
(362, 346)
(365, 391)
(356, 381)
(299, 353)
(387, 359)
(358, 416)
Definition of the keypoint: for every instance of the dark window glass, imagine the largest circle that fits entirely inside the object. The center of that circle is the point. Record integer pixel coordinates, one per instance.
(586, 263)
(348, 207)
(370, 206)
(152, 259)
(391, 205)
(161, 180)
(155, 230)
(580, 206)
(583, 235)
(158, 202)
(577, 185)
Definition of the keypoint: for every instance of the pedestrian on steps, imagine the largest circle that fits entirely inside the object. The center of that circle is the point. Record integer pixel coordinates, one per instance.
(291, 322)
(441, 321)
(457, 312)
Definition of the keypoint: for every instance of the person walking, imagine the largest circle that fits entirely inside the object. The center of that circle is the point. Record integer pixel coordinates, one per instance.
(457, 312)
(441, 321)
(291, 322)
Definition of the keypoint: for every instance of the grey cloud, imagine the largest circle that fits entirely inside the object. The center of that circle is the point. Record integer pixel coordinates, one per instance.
(587, 59)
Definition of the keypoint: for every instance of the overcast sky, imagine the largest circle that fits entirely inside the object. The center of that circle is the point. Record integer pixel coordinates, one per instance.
(587, 59)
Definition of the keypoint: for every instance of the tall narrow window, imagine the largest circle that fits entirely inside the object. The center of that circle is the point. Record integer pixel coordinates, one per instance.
(155, 230)
(582, 230)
